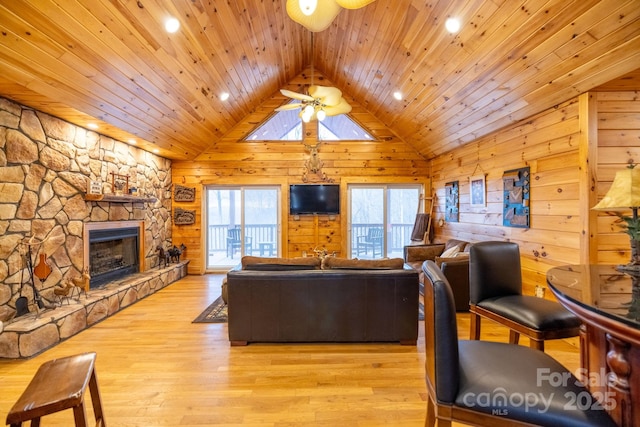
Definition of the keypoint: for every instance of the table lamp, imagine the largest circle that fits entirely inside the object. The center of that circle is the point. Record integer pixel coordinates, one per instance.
(624, 194)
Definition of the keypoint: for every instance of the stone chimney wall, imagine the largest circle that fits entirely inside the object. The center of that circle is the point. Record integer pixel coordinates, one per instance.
(45, 167)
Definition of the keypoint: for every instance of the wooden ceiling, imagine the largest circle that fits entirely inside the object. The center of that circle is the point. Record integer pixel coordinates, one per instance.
(111, 62)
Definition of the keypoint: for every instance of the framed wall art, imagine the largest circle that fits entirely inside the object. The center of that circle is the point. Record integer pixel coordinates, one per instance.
(451, 201)
(184, 194)
(516, 198)
(477, 192)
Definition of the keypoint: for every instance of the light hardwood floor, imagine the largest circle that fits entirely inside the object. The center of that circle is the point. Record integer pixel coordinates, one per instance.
(156, 368)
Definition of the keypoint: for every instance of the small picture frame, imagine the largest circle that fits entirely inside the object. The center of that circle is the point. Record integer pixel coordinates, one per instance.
(477, 192)
(119, 183)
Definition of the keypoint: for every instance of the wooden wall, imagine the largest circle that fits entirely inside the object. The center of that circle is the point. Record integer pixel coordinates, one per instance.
(568, 148)
(618, 144)
(231, 161)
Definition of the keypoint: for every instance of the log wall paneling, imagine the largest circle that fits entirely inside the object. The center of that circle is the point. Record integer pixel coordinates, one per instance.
(618, 130)
(548, 144)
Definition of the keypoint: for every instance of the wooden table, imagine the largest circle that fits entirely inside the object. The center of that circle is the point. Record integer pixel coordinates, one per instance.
(608, 303)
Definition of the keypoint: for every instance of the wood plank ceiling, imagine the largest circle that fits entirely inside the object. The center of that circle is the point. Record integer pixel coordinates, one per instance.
(111, 62)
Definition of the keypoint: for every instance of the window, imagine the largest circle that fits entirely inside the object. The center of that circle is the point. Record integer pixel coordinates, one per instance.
(381, 219)
(341, 128)
(281, 126)
(287, 126)
(241, 221)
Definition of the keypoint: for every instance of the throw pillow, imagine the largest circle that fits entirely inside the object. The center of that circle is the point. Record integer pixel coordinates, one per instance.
(450, 253)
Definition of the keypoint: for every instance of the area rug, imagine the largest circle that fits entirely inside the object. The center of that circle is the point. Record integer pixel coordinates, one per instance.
(217, 313)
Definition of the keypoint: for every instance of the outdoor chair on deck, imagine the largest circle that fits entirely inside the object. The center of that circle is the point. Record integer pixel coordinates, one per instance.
(372, 240)
(495, 287)
(494, 384)
(234, 242)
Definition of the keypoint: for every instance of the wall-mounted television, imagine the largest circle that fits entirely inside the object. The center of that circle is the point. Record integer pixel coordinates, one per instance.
(321, 199)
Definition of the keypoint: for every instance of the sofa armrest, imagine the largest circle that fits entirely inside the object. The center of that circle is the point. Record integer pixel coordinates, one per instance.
(422, 252)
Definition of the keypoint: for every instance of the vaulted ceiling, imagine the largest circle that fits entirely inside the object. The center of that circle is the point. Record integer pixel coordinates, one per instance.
(111, 62)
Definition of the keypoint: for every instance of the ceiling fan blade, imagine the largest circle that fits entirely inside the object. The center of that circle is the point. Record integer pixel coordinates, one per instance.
(296, 95)
(292, 106)
(342, 107)
(329, 95)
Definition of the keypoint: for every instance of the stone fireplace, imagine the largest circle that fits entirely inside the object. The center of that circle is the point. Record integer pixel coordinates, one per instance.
(113, 250)
(46, 165)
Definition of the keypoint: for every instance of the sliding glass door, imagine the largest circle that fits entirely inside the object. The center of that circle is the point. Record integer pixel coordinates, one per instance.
(381, 219)
(241, 221)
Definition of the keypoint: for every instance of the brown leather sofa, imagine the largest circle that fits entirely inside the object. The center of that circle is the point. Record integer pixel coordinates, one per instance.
(344, 303)
(455, 269)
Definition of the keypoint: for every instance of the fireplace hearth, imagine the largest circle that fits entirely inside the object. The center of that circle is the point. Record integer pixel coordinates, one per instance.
(113, 254)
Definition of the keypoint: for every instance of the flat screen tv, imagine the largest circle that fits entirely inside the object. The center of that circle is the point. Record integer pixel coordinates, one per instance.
(321, 199)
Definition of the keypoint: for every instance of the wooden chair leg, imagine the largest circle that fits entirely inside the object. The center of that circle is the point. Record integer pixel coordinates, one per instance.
(430, 420)
(514, 337)
(474, 332)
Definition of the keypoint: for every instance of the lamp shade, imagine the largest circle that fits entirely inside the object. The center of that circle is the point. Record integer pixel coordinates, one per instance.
(354, 4)
(319, 20)
(624, 192)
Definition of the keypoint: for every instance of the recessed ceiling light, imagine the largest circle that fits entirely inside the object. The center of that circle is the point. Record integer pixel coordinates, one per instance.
(397, 95)
(92, 126)
(172, 25)
(224, 96)
(155, 150)
(133, 141)
(452, 25)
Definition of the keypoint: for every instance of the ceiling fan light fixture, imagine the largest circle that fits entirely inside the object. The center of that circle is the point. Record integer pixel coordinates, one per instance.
(324, 14)
(308, 6)
(321, 115)
(354, 4)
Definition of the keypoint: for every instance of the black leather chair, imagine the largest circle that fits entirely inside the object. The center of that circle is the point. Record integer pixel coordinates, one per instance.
(494, 384)
(495, 291)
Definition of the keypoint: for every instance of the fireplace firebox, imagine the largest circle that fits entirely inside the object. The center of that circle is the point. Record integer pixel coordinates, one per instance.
(113, 254)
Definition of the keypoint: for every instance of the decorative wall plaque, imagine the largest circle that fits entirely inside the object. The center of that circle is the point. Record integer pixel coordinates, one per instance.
(184, 194)
(183, 216)
(451, 201)
(516, 198)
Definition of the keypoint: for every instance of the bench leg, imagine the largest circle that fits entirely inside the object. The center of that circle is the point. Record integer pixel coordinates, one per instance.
(96, 400)
(80, 415)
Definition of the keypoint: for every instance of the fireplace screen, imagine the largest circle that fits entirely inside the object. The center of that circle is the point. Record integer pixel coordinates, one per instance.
(113, 254)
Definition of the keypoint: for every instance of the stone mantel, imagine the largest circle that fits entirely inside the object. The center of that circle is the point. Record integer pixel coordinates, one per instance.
(123, 198)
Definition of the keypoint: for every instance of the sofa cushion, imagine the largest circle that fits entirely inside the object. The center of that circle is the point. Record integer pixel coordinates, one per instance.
(329, 263)
(267, 263)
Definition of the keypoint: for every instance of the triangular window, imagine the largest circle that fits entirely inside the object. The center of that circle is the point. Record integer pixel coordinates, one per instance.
(281, 126)
(287, 126)
(341, 128)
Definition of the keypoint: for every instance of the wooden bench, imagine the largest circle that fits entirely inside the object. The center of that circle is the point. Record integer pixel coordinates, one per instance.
(59, 384)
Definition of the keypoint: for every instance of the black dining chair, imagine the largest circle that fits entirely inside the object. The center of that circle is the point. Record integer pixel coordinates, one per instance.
(494, 384)
(495, 293)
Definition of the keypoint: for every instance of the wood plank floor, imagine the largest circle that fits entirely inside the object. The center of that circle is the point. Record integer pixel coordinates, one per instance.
(156, 368)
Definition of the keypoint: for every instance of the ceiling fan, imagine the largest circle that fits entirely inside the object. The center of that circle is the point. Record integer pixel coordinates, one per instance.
(320, 102)
(317, 15)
